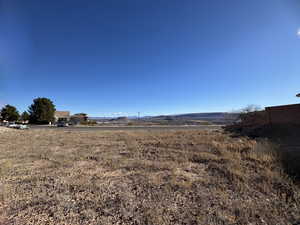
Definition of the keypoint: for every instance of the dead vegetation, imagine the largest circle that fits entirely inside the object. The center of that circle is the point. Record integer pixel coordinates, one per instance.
(170, 177)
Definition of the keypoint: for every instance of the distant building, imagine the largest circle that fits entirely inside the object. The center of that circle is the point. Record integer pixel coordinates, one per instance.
(62, 115)
(78, 118)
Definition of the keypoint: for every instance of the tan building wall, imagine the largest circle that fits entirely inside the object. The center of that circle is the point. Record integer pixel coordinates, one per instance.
(62, 115)
(286, 114)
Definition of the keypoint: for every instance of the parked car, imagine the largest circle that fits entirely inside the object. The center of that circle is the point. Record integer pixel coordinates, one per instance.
(12, 125)
(23, 127)
(18, 126)
(62, 124)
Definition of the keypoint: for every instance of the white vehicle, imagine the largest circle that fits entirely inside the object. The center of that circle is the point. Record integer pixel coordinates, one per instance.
(18, 126)
(23, 127)
(12, 125)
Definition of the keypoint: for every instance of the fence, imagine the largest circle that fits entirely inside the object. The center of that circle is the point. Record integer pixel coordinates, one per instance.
(285, 114)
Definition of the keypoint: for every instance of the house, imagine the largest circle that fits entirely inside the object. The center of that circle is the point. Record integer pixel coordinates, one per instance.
(78, 118)
(62, 115)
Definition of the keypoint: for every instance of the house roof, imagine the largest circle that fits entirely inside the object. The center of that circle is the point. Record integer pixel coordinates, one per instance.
(62, 114)
(80, 115)
(280, 107)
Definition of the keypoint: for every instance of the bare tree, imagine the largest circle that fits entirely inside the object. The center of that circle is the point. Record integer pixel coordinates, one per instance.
(250, 108)
(250, 114)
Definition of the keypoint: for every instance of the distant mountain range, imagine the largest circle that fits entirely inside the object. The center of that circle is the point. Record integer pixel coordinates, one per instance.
(215, 117)
(195, 115)
(110, 118)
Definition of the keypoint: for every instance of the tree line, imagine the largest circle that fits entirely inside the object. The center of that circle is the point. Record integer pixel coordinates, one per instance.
(41, 111)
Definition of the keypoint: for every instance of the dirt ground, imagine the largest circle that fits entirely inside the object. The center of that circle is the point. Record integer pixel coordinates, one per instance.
(142, 177)
(4, 129)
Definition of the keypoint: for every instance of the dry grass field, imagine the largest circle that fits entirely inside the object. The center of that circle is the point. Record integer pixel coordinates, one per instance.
(139, 177)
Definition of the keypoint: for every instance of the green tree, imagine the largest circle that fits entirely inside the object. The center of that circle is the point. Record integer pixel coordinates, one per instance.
(25, 116)
(41, 111)
(9, 113)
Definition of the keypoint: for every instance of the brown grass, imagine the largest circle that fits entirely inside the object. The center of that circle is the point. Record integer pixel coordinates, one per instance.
(170, 177)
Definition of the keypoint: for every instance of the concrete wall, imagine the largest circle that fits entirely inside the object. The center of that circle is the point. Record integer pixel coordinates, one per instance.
(286, 114)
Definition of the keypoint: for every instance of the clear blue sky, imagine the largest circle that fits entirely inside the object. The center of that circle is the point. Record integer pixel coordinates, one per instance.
(149, 56)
